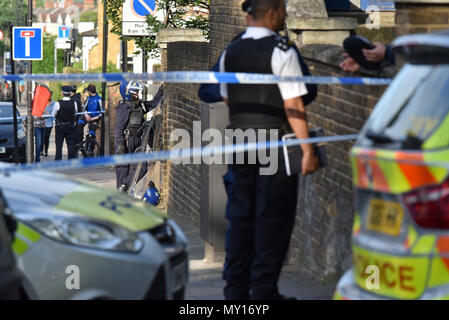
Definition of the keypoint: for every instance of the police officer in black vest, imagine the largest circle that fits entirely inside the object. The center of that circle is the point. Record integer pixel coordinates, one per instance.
(65, 113)
(128, 128)
(262, 207)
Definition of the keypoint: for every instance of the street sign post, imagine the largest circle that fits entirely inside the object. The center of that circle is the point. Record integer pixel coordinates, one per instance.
(134, 16)
(63, 32)
(27, 43)
(1, 35)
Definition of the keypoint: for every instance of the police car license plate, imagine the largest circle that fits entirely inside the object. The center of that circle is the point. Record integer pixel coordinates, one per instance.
(385, 217)
(2, 150)
(179, 276)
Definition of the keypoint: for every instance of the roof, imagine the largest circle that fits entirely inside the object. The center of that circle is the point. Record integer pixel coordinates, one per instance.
(90, 33)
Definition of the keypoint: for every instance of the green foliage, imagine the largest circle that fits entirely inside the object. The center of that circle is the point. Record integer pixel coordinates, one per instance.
(89, 16)
(174, 13)
(47, 65)
(78, 68)
(8, 11)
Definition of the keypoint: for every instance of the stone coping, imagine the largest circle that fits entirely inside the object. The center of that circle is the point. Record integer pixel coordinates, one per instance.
(332, 55)
(333, 23)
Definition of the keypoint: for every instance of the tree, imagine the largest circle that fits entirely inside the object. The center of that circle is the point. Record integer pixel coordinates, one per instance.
(174, 16)
(47, 65)
(89, 16)
(7, 18)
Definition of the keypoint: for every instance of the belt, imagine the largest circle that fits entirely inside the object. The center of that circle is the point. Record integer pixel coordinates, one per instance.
(60, 124)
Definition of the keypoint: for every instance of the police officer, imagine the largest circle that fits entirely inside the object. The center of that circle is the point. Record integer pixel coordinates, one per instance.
(128, 127)
(92, 109)
(65, 113)
(262, 211)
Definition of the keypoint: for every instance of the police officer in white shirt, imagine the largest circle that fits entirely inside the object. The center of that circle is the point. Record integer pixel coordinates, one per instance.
(65, 113)
(262, 209)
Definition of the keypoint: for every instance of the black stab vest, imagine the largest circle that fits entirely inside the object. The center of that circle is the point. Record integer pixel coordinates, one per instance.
(135, 118)
(258, 106)
(66, 112)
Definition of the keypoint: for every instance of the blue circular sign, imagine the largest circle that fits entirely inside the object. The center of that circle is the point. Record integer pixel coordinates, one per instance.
(144, 7)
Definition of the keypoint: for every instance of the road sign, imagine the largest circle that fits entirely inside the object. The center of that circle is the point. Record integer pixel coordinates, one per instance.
(134, 16)
(63, 32)
(1, 35)
(27, 43)
(143, 7)
(62, 43)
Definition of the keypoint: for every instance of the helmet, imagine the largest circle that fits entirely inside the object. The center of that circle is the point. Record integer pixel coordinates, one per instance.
(134, 88)
(152, 195)
(123, 93)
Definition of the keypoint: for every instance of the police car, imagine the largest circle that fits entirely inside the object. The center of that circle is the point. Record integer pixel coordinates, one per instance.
(401, 177)
(78, 241)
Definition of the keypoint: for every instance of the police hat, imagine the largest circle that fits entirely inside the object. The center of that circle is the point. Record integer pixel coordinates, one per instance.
(246, 6)
(354, 47)
(66, 89)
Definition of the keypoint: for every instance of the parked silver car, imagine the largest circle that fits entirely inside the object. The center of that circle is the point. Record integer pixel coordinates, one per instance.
(78, 241)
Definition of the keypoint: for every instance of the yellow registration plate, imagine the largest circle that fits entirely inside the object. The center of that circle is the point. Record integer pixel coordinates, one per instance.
(385, 217)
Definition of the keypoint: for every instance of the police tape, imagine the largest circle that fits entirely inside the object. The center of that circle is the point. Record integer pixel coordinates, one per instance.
(170, 155)
(48, 116)
(197, 77)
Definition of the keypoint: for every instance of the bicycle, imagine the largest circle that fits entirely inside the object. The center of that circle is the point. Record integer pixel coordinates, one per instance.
(90, 147)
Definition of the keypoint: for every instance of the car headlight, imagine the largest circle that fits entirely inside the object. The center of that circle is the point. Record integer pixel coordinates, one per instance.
(21, 133)
(84, 233)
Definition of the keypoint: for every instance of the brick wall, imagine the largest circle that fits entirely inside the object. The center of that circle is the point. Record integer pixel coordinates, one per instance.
(322, 235)
(226, 21)
(321, 239)
(421, 17)
(182, 187)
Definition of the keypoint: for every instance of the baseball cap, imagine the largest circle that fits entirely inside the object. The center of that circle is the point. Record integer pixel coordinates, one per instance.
(246, 6)
(91, 88)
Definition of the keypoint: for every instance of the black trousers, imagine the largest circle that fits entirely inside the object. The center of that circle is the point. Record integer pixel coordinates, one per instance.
(261, 218)
(125, 173)
(67, 132)
(46, 144)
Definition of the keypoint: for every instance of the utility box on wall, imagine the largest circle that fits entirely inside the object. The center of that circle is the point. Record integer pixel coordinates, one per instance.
(213, 223)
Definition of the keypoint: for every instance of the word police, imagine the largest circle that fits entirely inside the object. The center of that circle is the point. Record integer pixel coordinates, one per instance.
(233, 309)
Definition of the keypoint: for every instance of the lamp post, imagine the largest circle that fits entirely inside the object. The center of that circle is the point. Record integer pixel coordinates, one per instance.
(30, 119)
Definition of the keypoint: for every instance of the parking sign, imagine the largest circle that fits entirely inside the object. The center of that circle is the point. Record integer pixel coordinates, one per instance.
(27, 43)
(134, 16)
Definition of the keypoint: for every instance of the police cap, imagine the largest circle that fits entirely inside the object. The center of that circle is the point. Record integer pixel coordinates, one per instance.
(354, 47)
(66, 90)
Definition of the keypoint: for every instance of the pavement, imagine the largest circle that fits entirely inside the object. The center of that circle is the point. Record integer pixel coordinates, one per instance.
(205, 278)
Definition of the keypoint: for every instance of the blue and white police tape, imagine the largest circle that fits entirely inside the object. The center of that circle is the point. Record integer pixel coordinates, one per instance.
(46, 116)
(197, 77)
(171, 155)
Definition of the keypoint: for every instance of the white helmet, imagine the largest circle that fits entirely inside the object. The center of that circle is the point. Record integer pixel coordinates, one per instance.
(134, 88)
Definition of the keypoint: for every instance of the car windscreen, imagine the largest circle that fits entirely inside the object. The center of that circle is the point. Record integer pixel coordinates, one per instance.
(5, 112)
(412, 108)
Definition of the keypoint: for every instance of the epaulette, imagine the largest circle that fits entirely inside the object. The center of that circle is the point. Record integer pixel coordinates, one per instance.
(284, 43)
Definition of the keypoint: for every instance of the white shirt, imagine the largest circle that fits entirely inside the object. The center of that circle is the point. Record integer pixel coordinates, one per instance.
(57, 106)
(283, 63)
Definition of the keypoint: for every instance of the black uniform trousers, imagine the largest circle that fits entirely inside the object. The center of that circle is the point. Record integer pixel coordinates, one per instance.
(261, 218)
(125, 173)
(67, 132)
